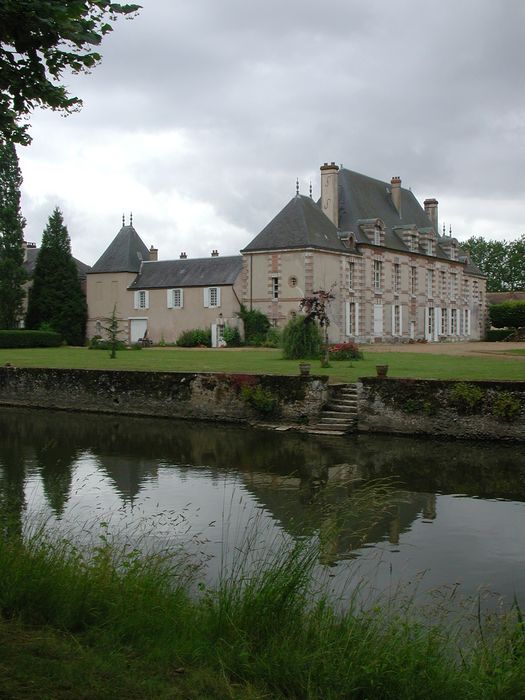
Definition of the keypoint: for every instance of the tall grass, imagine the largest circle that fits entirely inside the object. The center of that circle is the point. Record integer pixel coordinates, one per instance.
(259, 634)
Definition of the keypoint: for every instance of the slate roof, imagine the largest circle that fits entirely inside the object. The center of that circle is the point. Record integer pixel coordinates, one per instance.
(124, 254)
(30, 262)
(300, 224)
(197, 272)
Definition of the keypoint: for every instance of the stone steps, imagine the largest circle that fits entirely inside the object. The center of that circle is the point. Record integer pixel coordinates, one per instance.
(340, 415)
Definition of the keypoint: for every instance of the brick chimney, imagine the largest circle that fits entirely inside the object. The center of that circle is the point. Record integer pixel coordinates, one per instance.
(214, 253)
(153, 253)
(330, 191)
(183, 256)
(395, 183)
(431, 210)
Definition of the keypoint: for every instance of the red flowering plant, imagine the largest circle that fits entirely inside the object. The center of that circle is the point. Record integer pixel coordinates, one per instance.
(345, 351)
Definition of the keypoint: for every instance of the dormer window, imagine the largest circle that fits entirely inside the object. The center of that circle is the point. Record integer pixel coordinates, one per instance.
(377, 236)
(430, 247)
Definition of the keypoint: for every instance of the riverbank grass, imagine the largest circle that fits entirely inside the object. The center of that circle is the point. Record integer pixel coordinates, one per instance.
(113, 624)
(268, 361)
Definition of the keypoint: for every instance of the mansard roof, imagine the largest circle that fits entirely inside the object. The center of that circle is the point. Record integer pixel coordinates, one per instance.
(300, 224)
(197, 272)
(124, 254)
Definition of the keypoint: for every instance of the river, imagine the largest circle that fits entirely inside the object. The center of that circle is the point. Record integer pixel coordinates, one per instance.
(390, 513)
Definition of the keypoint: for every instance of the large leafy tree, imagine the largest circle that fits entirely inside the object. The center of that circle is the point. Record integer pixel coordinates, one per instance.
(56, 298)
(12, 273)
(39, 40)
(502, 261)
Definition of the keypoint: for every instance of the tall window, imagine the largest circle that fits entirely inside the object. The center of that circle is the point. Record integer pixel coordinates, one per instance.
(396, 330)
(466, 322)
(466, 289)
(352, 319)
(213, 296)
(378, 268)
(453, 321)
(444, 321)
(141, 299)
(413, 279)
(430, 327)
(443, 283)
(275, 287)
(430, 283)
(453, 285)
(351, 274)
(396, 282)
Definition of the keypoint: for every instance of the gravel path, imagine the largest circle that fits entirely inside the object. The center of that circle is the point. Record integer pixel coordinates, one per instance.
(463, 349)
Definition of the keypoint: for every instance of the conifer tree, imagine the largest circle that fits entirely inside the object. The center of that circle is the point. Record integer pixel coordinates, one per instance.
(12, 273)
(56, 298)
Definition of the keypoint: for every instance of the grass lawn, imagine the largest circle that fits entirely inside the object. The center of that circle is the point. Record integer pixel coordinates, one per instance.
(266, 361)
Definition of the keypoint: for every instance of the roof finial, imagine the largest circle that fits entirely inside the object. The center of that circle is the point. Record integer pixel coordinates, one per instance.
(123, 220)
(444, 230)
(297, 187)
(311, 190)
(131, 218)
(450, 230)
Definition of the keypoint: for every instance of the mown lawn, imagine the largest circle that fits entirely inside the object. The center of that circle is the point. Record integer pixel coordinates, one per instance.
(266, 361)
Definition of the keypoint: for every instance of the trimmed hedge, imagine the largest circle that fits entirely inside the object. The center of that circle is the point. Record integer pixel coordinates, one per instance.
(29, 339)
(195, 338)
(495, 334)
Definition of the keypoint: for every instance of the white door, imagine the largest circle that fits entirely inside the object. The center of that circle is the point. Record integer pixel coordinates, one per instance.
(378, 320)
(137, 329)
(412, 330)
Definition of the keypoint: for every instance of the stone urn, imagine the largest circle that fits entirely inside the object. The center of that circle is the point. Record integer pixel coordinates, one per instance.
(304, 369)
(382, 370)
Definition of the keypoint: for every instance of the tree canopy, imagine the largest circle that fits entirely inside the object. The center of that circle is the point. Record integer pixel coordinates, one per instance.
(39, 40)
(56, 298)
(502, 261)
(12, 273)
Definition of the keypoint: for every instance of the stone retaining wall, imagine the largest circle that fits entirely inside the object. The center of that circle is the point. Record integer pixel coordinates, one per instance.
(476, 409)
(227, 397)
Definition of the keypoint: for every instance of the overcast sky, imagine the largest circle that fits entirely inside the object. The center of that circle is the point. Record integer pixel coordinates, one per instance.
(203, 113)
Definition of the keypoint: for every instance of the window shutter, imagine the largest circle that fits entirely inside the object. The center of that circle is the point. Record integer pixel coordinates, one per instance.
(169, 298)
(206, 292)
(393, 318)
(181, 298)
(426, 335)
(356, 319)
(136, 300)
(146, 299)
(218, 296)
(400, 320)
(437, 320)
(347, 317)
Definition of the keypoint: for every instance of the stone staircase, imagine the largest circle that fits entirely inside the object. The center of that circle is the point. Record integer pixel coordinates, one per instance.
(340, 416)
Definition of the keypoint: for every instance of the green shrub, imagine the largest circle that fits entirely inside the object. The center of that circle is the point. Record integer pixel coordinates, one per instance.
(97, 342)
(301, 339)
(345, 351)
(273, 338)
(495, 334)
(29, 339)
(195, 338)
(261, 399)
(231, 337)
(508, 314)
(506, 406)
(467, 398)
(256, 326)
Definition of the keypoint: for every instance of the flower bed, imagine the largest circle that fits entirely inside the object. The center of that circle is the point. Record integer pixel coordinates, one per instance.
(345, 351)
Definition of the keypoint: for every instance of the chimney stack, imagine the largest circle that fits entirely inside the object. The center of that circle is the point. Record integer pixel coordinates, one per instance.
(214, 253)
(431, 210)
(330, 192)
(153, 253)
(183, 256)
(395, 183)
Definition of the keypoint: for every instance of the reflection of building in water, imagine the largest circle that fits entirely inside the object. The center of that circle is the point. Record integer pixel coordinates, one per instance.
(128, 473)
